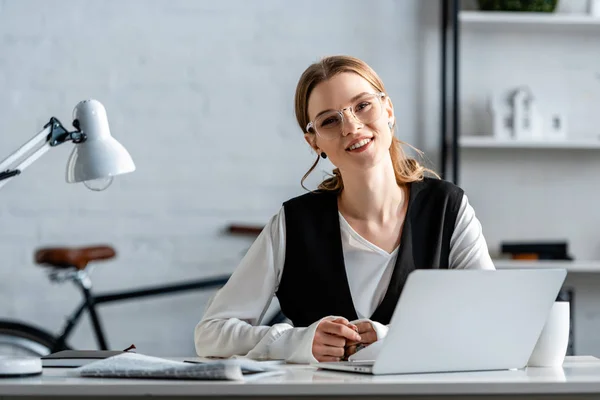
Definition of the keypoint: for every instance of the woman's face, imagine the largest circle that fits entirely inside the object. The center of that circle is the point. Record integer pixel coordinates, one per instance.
(362, 138)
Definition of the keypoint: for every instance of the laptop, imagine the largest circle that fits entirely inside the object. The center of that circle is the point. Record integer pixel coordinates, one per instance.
(461, 320)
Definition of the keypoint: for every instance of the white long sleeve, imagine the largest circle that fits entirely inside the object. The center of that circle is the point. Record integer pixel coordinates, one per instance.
(468, 248)
(230, 323)
(229, 326)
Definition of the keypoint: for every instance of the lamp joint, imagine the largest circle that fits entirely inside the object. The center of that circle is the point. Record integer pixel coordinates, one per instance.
(58, 134)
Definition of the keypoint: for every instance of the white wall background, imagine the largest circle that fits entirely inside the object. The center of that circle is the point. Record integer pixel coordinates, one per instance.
(201, 94)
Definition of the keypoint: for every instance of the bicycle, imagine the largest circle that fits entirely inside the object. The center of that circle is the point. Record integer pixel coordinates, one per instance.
(71, 264)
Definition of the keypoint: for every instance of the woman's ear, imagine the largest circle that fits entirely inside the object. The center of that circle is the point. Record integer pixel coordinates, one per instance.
(310, 139)
(389, 109)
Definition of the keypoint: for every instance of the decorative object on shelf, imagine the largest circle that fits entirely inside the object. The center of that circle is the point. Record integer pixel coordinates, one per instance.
(514, 115)
(557, 128)
(526, 119)
(499, 118)
(518, 5)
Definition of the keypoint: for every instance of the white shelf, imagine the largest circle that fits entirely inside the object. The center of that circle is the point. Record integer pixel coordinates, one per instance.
(570, 266)
(483, 142)
(498, 19)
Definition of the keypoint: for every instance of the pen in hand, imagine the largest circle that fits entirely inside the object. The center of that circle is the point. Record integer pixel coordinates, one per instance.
(368, 335)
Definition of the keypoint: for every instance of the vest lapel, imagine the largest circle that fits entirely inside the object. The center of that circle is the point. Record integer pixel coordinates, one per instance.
(338, 266)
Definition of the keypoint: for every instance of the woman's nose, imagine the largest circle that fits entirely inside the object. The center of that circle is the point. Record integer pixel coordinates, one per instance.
(351, 123)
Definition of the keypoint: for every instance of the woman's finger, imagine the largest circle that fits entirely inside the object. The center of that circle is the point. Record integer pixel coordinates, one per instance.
(350, 350)
(324, 350)
(369, 337)
(345, 322)
(341, 320)
(330, 340)
(364, 326)
(327, 359)
(339, 330)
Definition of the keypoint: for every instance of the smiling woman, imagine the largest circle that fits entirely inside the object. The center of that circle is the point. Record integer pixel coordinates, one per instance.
(337, 258)
(370, 114)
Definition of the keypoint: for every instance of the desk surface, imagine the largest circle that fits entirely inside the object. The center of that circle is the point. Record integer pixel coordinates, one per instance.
(578, 375)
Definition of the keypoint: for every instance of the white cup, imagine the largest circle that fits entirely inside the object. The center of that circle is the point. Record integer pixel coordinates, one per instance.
(551, 346)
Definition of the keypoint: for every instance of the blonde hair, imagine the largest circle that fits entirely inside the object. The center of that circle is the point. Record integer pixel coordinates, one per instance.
(406, 170)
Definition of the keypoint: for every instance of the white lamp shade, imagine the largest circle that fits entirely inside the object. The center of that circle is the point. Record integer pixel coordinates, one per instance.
(100, 155)
(97, 159)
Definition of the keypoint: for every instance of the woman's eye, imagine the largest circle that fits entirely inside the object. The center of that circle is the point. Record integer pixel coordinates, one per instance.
(329, 121)
(362, 106)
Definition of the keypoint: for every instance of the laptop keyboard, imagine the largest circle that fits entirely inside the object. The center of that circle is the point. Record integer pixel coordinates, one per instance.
(356, 363)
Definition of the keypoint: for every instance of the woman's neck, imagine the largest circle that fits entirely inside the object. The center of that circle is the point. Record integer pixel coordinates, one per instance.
(372, 195)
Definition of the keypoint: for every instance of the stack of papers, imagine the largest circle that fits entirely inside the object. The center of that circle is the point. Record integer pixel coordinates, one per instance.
(132, 365)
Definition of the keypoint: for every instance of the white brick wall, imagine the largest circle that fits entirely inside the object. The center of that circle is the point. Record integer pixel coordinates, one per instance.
(201, 94)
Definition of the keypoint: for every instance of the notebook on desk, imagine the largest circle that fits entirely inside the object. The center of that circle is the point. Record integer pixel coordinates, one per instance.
(76, 358)
(461, 320)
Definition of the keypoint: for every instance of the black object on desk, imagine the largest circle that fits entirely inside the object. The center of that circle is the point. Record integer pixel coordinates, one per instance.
(77, 358)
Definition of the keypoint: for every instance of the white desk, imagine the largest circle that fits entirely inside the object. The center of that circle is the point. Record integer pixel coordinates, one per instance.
(578, 378)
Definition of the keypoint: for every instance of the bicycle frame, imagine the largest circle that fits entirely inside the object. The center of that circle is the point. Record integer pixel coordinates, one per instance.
(91, 300)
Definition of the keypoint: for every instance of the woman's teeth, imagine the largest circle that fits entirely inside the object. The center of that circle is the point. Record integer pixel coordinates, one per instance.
(359, 144)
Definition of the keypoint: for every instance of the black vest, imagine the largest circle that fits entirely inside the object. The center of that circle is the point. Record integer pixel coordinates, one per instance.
(314, 284)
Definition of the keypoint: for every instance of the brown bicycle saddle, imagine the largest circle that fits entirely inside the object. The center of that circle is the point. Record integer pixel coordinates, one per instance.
(68, 257)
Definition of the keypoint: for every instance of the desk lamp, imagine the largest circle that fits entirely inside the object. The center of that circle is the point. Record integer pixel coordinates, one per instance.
(95, 160)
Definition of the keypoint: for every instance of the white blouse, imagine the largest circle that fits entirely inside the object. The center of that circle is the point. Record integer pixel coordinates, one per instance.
(230, 326)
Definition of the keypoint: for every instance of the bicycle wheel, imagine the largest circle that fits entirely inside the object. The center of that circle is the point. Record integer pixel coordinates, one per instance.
(19, 339)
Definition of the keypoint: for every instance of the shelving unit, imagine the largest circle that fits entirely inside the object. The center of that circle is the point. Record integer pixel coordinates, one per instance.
(486, 142)
(453, 20)
(570, 266)
(461, 27)
(527, 20)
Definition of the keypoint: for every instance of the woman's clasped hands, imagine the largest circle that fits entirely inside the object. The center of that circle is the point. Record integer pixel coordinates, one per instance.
(338, 339)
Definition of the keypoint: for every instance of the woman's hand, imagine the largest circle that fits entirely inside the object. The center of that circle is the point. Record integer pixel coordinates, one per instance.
(331, 338)
(367, 334)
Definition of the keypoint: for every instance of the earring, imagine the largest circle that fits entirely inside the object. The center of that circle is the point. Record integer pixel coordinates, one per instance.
(323, 155)
(390, 124)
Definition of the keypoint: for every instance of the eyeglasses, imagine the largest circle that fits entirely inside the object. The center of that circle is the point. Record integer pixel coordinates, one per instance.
(366, 109)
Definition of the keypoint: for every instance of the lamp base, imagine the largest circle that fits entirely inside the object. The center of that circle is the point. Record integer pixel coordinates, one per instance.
(13, 366)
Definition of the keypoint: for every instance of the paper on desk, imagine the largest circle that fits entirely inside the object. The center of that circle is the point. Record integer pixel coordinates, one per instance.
(132, 365)
(369, 353)
(235, 357)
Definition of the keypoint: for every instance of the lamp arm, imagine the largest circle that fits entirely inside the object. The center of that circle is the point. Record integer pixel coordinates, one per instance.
(32, 143)
(53, 134)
